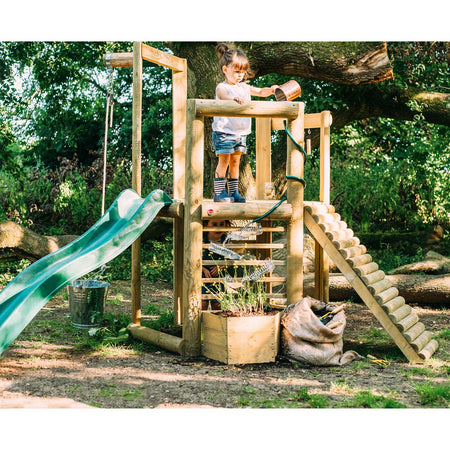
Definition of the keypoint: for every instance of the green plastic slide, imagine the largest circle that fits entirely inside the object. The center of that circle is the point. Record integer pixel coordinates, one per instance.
(120, 226)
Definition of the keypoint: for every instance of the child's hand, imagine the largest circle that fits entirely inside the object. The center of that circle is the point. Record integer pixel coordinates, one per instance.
(275, 86)
(239, 100)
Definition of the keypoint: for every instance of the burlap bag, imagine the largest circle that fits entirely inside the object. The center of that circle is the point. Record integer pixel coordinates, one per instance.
(306, 339)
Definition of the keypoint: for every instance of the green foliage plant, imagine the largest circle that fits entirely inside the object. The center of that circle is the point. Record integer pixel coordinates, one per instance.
(246, 297)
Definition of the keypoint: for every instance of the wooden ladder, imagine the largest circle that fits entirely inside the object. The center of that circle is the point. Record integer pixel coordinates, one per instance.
(262, 247)
(370, 283)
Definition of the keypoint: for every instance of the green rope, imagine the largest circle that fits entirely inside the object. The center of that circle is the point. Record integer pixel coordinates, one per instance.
(289, 177)
(294, 141)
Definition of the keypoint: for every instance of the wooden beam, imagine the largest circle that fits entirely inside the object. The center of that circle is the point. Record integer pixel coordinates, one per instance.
(163, 58)
(311, 121)
(150, 54)
(179, 98)
(263, 155)
(136, 179)
(245, 211)
(193, 232)
(163, 340)
(230, 108)
(294, 235)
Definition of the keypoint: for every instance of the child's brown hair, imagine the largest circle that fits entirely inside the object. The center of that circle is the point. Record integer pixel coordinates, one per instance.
(235, 57)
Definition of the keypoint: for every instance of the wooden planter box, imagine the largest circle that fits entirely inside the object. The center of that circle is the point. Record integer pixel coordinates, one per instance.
(241, 340)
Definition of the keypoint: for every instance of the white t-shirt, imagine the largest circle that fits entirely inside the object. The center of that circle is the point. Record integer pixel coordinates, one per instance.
(238, 126)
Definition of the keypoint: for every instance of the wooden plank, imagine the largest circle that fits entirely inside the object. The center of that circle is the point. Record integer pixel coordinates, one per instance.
(362, 290)
(193, 231)
(235, 229)
(288, 110)
(136, 179)
(313, 120)
(163, 58)
(250, 210)
(179, 98)
(239, 262)
(166, 341)
(263, 156)
(294, 235)
(325, 171)
(249, 245)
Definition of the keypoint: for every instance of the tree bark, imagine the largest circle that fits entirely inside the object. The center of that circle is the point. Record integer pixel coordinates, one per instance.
(420, 289)
(348, 63)
(18, 242)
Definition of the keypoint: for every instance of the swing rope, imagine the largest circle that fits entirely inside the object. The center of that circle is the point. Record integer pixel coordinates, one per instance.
(289, 177)
(108, 124)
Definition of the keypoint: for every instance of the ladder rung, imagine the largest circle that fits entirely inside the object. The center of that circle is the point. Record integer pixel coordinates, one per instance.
(233, 229)
(250, 245)
(240, 262)
(421, 341)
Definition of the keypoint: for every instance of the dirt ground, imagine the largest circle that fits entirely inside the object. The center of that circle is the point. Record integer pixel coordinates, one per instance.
(44, 369)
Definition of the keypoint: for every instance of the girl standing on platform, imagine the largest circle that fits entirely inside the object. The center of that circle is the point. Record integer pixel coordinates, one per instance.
(230, 133)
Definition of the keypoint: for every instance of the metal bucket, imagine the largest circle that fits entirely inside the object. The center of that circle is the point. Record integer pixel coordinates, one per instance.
(288, 91)
(87, 302)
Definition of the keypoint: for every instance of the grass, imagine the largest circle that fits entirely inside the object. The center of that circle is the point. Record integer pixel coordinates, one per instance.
(366, 399)
(298, 399)
(437, 395)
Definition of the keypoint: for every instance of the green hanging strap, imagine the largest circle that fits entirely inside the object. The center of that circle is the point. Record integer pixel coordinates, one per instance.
(289, 177)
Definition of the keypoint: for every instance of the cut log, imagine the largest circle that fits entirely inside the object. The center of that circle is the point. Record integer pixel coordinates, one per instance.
(19, 242)
(416, 289)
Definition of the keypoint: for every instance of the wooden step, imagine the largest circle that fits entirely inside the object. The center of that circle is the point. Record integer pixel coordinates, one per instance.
(318, 208)
(358, 261)
(407, 322)
(386, 295)
(344, 243)
(415, 331)
(400, 313)
(365, 269)
(326, 217)
(350, 252)
(340, 235)
(429, 349)
(333, 226)
(393, 304)
(379, 286)
(373, 277)
(421, 341)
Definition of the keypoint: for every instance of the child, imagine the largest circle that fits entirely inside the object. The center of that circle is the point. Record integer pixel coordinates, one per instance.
(230, 133)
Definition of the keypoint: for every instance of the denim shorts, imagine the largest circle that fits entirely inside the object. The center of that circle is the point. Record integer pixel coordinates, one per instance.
(227, 144)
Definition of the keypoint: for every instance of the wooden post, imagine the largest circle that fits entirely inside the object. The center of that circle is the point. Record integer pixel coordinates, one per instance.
(263, 176)
(179, 97)
(136, 180)
(321, 287)
(263, 155)
(294, 167)
(193, 230)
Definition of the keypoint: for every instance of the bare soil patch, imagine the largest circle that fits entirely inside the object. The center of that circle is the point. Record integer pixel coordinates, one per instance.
(50, 366)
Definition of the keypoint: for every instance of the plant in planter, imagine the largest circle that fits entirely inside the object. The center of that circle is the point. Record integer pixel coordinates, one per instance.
(246, 331)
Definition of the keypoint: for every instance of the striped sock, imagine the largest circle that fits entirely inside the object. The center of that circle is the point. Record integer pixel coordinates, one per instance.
(232, 185)
(219, 185)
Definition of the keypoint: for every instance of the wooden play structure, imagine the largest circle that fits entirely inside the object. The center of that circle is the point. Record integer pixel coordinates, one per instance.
(189, 209)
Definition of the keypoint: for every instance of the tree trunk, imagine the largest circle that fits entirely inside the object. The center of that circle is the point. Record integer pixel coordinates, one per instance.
(346, 63)
(421, 289)
(18, 242)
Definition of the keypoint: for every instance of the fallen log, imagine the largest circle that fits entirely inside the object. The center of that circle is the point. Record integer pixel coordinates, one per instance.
(432, 290)
(18, 242)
